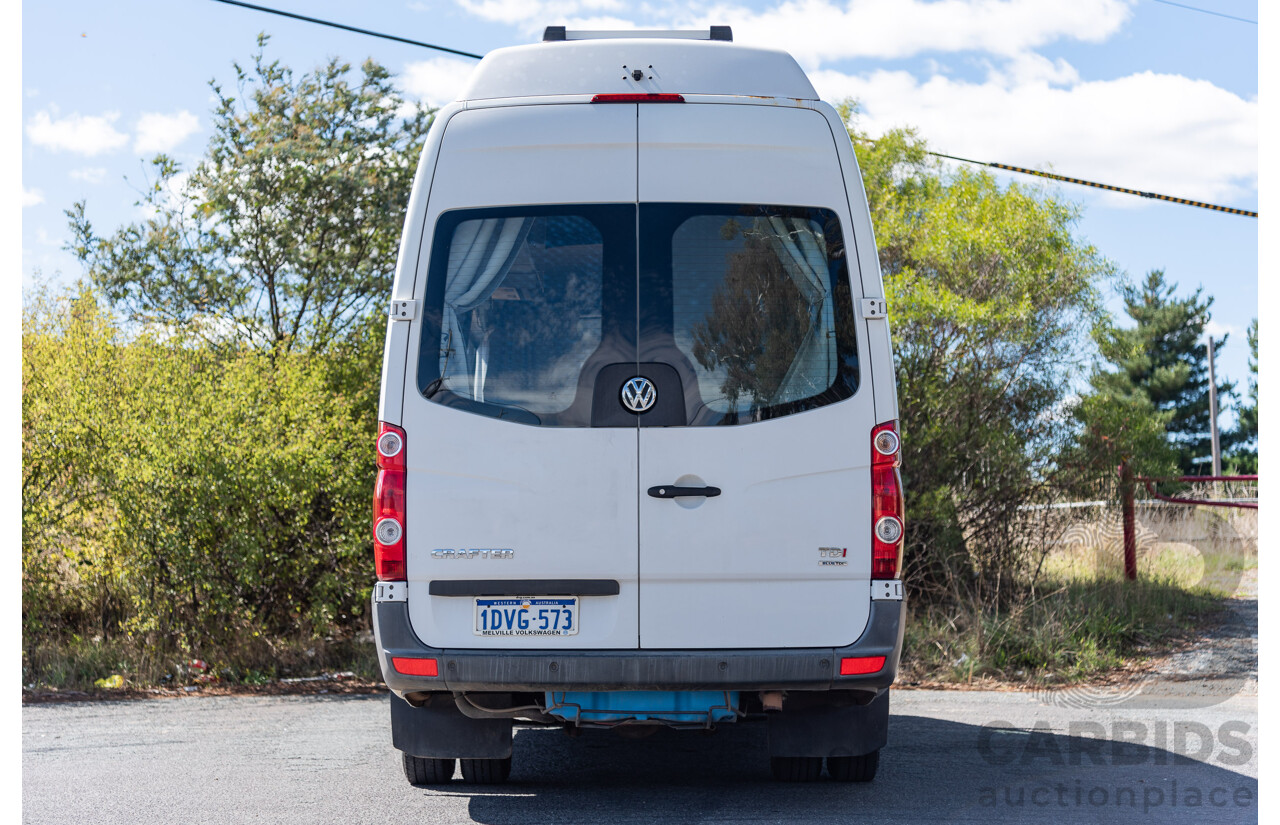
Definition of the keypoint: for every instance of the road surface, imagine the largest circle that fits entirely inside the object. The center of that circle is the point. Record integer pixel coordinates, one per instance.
(979, 757)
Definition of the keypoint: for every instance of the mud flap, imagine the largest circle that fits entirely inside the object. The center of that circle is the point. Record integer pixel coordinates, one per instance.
(829, 724)
(440, 731)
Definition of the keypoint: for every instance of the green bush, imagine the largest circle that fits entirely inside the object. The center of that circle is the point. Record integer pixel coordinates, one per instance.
(193, 498)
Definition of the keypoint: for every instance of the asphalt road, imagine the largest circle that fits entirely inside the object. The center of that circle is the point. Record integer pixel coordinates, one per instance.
(952, 757)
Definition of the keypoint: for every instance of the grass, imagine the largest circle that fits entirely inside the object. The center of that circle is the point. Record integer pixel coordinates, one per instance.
(1083, 618)
(76, 663)
(1069, 631)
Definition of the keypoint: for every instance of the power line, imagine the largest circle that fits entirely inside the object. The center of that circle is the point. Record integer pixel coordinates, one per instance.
(1121, 189)
(1022, 170)
(1206, 11)
(333, 25)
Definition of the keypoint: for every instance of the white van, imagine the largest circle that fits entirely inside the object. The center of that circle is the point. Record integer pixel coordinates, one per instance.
(638, 452)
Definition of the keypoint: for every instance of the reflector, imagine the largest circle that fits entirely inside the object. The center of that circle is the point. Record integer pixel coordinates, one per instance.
(859, 665)
(422, 667)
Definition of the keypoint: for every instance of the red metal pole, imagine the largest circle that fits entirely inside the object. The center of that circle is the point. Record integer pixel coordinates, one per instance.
(1130, 539)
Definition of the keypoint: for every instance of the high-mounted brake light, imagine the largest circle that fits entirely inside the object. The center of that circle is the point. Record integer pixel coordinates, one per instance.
(388, 505)
(887, 507)
(634, 97)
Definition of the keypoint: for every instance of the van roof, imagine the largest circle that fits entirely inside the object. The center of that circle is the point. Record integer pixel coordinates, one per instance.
(669, 65)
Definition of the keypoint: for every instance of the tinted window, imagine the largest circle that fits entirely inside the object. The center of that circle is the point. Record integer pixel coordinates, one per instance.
(516, 308)
(737, 314)
(755, 300)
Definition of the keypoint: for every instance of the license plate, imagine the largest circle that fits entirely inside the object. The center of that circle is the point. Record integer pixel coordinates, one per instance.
(529, 616)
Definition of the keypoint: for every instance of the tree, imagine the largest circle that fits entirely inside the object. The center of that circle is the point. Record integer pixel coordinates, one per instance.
(197, 472)
(286, 233)
(1116, 429)
(1163, 358)
(987, 290)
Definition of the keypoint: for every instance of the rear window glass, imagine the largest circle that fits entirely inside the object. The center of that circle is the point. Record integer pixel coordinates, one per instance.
(759, 306)
(515, 308)
(541, 314)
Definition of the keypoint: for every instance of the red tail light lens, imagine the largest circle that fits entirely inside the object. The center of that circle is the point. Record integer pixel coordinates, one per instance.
(388, 504)
(887, 507)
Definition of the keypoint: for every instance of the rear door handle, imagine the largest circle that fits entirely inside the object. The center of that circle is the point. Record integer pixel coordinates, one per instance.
(671, 491)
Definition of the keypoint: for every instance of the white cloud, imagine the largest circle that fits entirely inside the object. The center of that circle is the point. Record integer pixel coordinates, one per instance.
(1202, 144)
(161, 133)
(1028, 68)
(817, 30)
(81, 134)
(542, 11)
(1219, 331)
(436, 80)
(596, 23)
(31, 197)
(89, 174)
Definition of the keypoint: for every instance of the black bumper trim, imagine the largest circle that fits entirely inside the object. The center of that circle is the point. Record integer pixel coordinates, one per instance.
(522, 670)
(524, 587)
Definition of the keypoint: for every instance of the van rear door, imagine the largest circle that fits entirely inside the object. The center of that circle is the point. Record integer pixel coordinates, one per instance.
(747, 282)
(517, 472)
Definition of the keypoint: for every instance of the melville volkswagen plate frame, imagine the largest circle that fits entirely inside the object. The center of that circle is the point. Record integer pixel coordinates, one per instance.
(526, 616)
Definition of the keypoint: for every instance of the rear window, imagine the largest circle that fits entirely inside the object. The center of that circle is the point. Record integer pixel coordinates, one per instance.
(756, 299)
(736, 313)
(516, 309)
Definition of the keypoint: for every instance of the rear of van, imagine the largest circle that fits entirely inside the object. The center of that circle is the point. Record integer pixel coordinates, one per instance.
(638, 450)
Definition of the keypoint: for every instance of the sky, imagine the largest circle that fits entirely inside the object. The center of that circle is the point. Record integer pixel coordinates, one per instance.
(1134, 93)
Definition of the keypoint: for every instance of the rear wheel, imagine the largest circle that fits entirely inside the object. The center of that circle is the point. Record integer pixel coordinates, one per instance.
(425, 771)
(854, 768)
(486, 771)
(796, 768)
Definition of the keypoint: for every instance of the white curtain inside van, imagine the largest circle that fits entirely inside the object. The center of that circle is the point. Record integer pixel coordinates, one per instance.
(480, 256)
(803, 253)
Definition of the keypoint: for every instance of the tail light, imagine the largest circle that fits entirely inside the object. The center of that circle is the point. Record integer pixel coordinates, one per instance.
(388, 505)
(887, 508)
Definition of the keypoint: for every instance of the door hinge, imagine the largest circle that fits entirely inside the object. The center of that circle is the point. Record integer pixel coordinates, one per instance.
(874, 308)
(886, 590)
(404, 310)
(391, 592)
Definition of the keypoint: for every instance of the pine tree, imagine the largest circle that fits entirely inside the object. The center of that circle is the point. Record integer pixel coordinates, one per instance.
(1164, 359)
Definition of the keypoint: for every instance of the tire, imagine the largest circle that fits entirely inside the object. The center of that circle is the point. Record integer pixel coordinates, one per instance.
(425, 771)
(486, 771)
(854, 768)
(796, 768)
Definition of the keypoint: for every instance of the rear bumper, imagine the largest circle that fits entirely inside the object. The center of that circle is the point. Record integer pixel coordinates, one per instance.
(603, 670)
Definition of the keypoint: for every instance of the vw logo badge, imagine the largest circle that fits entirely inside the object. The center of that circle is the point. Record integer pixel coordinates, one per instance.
(638, 394)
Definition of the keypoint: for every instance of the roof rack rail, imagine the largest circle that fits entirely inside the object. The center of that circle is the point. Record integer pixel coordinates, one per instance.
(724, 33)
